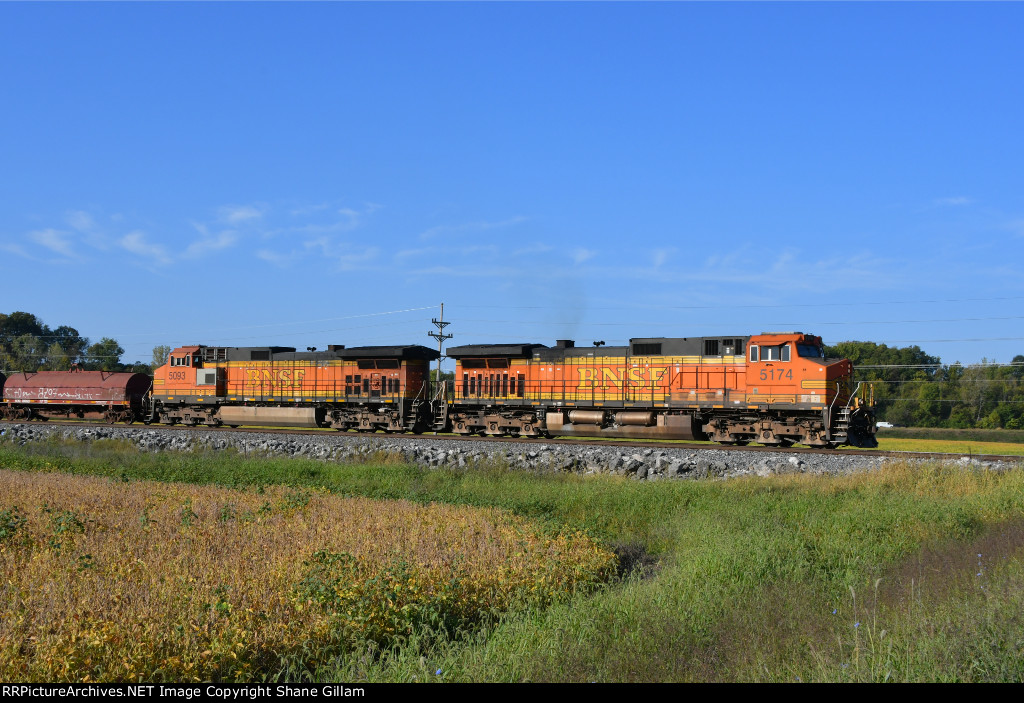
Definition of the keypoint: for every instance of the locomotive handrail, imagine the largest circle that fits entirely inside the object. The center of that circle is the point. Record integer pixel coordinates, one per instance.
(854, 394)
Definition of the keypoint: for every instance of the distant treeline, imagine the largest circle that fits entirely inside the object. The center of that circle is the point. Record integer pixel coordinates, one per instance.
(912, 388)
(28, 344)
(915, 389)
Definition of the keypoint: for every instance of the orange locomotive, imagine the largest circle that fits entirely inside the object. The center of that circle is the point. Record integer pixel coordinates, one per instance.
(365, 388)
(772, 388)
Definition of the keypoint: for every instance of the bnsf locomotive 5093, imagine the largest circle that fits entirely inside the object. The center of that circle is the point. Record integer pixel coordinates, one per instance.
(772, 388)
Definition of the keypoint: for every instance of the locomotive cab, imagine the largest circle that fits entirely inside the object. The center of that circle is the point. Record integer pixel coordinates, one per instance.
(788, 372)
(181, 376)
(791, 368)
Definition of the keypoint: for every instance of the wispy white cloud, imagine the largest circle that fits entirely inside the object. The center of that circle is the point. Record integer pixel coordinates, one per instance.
(956, 201)
(56, 241)
(307, 210)
(532, 249)
(81, 221)
(478, 226)
(355, 258)
(17, 249)
(421, 253)
(209, 244)
(790, 270)
(660, 256)
(136, 243)
(235, 214)
(344, 255)
(280, 259)
(321, 219)
(581, 255)
(347, 255)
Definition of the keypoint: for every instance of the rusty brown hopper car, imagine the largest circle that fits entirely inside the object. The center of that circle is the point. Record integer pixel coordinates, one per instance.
(116, 397)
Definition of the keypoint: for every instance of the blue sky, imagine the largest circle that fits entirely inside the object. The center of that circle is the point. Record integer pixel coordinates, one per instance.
(246, 174)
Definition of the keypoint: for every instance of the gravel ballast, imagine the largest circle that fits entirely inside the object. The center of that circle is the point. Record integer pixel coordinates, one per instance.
(642, 463)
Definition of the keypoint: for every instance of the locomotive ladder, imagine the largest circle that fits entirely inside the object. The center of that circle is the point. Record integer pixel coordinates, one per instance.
(440, 407)
(841, 431)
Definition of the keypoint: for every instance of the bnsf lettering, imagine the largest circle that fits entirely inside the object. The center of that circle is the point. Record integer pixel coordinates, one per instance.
(614, 376)
(280, 378)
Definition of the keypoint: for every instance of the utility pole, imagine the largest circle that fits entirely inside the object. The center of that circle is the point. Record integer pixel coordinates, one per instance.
(440, 336)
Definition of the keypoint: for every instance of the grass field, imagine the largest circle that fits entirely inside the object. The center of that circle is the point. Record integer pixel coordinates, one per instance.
(949, 433)
(908, 574)
(959, 447)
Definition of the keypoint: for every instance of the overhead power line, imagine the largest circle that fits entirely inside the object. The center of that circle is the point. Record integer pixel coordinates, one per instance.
(275, 324)
(728, 306)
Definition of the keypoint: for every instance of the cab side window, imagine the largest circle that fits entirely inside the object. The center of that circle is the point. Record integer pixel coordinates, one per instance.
(753, 352)
(774, 353)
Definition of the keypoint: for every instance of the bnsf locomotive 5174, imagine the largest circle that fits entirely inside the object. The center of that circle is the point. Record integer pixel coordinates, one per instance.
(773, 388)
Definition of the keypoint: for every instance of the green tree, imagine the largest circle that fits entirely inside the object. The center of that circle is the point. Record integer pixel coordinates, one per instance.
(160, 354)
(1017, 370)
(898, 374)
(57, 359)
(27, 353)
(26, 343)
(18, 324)
(930, 409)
(69, 340)
(104, 355)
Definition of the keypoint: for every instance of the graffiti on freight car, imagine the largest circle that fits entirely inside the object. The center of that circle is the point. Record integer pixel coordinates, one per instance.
(281, 378)
(614, 376)
(58, 394)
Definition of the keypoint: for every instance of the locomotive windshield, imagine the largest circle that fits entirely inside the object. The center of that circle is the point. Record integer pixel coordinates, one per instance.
(810, 351)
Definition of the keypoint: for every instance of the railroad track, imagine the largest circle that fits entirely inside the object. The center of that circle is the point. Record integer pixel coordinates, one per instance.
(562, 441)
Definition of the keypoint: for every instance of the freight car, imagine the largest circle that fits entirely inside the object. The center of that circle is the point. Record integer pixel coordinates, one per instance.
(114, 397)
(773, 388)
